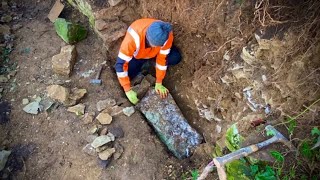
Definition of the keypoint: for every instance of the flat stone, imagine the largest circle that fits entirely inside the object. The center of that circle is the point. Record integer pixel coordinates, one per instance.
(119, 150)
(114, 2)
(88, 149)
(77, 94)
(104, 131)
(101, 105)
(101, 148)
(100, 24)
(113, 111)
(106, 154)
(3, 79)
(58, 93)
(63, 63)
(32, 108)
(6, 18)
(116, 131)
(88, 117)
(128, 111)
(91, 138)
(25, 101)
(102, 140)
(77, 109)
(4, 155)
(104, 118)
(93, 129)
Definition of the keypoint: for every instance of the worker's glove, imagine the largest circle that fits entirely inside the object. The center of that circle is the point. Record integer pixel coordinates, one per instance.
(161, 90)
(132, 96)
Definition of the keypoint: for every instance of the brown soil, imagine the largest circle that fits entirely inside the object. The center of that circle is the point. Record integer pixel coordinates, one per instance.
(204, 31)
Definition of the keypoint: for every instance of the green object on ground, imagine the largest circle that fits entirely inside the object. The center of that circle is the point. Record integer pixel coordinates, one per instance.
(132, 96)
(70, 32)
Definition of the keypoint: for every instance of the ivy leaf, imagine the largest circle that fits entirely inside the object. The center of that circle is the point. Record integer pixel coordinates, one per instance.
(254, 169)
(195, 174)
(270, 133)
(233, 138)
(267, 174)
(305, 150)
(315, 131)
(277, 155)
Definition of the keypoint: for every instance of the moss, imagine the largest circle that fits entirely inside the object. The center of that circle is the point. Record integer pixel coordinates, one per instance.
(85, 8)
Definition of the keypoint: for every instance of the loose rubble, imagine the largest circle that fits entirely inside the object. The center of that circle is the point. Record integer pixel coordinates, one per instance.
(101, 140)
(128, 111)
(104, 118)
(77, 109)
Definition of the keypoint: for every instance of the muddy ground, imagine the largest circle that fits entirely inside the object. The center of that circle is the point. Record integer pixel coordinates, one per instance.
(49, 145)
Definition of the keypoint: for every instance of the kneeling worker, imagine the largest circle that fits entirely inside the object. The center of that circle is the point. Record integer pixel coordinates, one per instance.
(146, 40)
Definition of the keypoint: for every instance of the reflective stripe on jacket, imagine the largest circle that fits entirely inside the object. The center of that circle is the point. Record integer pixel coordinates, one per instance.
(134, 45)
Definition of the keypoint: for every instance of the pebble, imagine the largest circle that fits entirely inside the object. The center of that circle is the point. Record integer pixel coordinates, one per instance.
(104, 118)
(88, 117)
(128, 111)
(89, 150)
(106, 154)
(25, 101)
(101, 140)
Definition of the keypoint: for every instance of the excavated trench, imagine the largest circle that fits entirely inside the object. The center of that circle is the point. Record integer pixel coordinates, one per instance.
(233, 71)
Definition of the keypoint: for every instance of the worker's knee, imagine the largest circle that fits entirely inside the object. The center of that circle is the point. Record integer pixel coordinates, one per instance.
(174, 57)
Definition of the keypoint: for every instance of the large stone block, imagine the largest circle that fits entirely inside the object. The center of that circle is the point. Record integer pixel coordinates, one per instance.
(171, 127)
(63, 63)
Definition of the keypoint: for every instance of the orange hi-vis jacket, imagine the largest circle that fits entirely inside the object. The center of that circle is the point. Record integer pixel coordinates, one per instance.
(134, 45)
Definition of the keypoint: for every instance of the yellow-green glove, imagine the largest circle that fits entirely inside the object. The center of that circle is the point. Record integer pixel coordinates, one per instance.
(161, 90)
(132, 96)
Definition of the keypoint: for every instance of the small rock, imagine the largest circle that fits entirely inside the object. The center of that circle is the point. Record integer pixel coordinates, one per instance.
(103, 163)
(77, 109)
(93, 129)
(6, 18)
(104, 131)
(3, 79)
(58, 93)
(25, 101)
(88, 117)
(106, 154)
(101, 148)
(218, 129)
(16, 27)
(32, 108)
(63, 63)
(46, 104)
(119, 151)
(101, 140)
(128, 111)
(100, 24)
(104, 118)
(113, 111)
(101, 105)
(116, 131)
(114, 2)
(77, 94)
(89, 150)
(4, 158)
(91, 138)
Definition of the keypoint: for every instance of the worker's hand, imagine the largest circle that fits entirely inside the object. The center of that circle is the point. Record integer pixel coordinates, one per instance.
(161, 90)
(132, 96)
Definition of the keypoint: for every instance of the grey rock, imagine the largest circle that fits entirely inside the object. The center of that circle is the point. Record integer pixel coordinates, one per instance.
(128, 111)
(114, 2)
(91, 138)
(101, 105)
(113, 111)
(119, 150)
(4, 158)
(101, 140)
(116, 131)
(166, 118)
(32, 108)
(106, 154)
(88, 149)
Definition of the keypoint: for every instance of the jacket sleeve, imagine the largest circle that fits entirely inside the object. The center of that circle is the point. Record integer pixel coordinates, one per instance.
(125, 55)
(161, 62)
